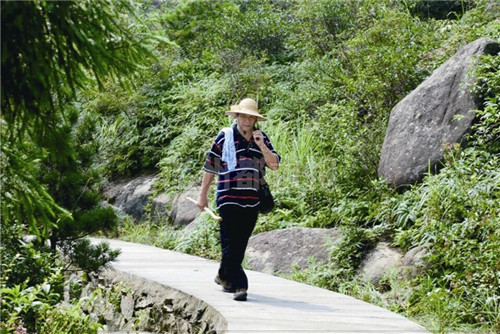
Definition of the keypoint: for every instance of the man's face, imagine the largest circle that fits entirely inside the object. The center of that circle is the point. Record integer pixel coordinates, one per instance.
(246, 122)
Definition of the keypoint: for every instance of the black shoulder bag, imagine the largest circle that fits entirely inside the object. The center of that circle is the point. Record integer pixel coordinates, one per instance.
(266, 198)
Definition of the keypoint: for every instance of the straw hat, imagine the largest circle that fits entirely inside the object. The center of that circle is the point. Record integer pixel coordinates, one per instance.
(248, 107)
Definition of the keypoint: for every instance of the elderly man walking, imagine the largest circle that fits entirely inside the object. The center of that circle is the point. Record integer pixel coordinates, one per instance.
(239, 156)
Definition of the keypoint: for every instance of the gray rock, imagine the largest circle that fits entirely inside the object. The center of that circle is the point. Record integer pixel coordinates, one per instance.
(118, 323)
(425, 120)
(183, 210)
(276, 251)
(380, 261)
(127, 306)
(131, 196)
(159, 207)
(196, 223)
(412, 262)
(144, 302)
(148, 307)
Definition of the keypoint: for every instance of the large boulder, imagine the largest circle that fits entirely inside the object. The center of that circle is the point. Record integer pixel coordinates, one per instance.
(385, 260)
(413, 262)
(380, 261)
(160, 207)
(277, 251)
(435, 114)
(131, 196)
(183, 210)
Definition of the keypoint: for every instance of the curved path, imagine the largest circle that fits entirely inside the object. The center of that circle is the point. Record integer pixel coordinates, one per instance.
(275, 305)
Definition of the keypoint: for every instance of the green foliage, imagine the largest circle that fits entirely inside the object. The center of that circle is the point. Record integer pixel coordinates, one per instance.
(73, 181)
(380, 67)
(260, 28)
(20, 304)
(191, 23)
(24, 200)
(194, 102)
(201, 240)
(71, 40)
(69, 319)
(455, 216)
(324, 24)
(22, 261)
(37, 309)
(294, 185)
(486, 132)
(474, 24)
(50, 48)
(447, 9)
(88, 257)
(457, 213)
(346, 256)
(227, 32)
(33, 281)
(152, 121)
(49, 184)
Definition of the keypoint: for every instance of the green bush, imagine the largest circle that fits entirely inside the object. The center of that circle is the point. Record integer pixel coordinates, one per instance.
(321, 25)
(447, 9)
(202, 240)
(51, 51)
(386, 60)
(487, 130)
(23, 261)
(229, 30)
(39, 309)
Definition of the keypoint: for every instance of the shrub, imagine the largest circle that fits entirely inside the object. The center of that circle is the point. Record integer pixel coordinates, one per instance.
(447, 9)
(38, 309)
(321, 26)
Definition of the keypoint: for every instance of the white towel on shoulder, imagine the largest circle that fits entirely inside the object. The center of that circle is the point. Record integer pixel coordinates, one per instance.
(228, 149)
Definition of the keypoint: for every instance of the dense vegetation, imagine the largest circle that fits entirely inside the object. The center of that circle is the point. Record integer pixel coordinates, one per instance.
(50, 51)
(326, 73)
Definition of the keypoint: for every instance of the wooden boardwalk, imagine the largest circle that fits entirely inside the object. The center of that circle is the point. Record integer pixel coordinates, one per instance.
(275, 305)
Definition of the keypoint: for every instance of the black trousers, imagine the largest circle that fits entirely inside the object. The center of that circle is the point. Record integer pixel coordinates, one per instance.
(235, 229)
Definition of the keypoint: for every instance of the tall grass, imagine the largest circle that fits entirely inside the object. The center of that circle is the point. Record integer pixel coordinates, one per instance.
(200, 239)
(304, 181)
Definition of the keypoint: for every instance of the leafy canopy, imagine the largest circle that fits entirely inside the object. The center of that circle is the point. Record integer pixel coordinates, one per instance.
(51, 48)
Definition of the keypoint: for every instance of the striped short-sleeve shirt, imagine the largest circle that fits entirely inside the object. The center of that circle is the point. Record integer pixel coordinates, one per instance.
(239, 187)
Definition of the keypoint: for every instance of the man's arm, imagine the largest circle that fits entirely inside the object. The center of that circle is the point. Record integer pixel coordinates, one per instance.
(206, 181)
(271, 159)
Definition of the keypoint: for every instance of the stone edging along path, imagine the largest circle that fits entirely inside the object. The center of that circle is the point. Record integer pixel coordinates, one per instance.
(275, 305)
